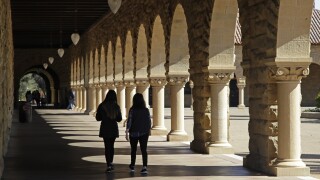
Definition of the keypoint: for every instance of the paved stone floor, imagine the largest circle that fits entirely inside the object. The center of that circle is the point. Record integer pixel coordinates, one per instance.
(61, 144)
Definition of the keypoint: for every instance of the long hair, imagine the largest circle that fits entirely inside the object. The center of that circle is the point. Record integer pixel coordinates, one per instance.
(138, 101)
(111, 106)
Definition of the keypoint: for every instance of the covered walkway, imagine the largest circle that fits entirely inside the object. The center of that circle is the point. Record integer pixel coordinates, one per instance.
(61, 144)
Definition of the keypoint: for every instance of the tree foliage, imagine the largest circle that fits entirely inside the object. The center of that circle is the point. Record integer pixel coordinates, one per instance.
(31, 82)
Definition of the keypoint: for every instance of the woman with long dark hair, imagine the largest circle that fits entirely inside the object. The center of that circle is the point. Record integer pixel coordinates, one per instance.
(138, 130)
(109, 114)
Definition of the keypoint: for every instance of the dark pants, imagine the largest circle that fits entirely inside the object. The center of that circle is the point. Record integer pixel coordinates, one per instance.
(109, 149)
(143, 140)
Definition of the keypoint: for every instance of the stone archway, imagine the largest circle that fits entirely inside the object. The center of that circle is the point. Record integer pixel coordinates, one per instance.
(52, 82)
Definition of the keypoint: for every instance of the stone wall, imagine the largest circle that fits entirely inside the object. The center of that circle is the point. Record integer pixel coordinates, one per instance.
(6, 78)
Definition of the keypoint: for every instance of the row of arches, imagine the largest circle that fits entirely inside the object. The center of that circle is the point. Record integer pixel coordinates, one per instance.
(195, 40)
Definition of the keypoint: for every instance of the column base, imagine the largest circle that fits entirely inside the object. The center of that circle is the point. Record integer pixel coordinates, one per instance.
(83, 110)
(241, 106)
(198, 146)
(289, 163)
(177, 136)
(224, 148)
(86, 112)
(92, 112)
(158, 132)
(290, 171)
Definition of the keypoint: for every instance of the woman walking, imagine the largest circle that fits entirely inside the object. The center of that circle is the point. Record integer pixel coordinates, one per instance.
(138, 129)
(109, 114)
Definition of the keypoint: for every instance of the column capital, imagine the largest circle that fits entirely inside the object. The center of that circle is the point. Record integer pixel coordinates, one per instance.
(159, 81)
(83, 87)
(191, 84)
(91, 85)
(241, 82)
(104, 85)
(110, 85)
(129, 83)
(142, 82)
(178, 80)
(219, 77)
(292, 73)
(119, 83)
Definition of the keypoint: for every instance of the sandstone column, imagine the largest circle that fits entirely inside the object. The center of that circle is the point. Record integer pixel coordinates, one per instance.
(130, 92)
(177, 132)
(104, 90)
(98, 95)
(121, 98)
(80, 98)
(92, 99)
(241, 84)
(158, 127)
(191, 87)
(84, 100)
(219, 87)
(143, 88)
(53, 95)
(289, 125)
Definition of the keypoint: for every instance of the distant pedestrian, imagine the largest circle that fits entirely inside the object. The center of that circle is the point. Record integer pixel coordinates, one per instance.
(29, 97)
(109, 114)
(70, 101)
(138, 129)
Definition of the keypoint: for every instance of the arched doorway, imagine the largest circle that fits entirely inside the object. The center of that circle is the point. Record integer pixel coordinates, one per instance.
(45, 80)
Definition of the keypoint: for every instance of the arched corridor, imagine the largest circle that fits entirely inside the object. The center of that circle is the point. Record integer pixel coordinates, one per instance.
(157, 48)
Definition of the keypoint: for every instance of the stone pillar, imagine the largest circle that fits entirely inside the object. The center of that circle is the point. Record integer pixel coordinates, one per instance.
(121, 98)
(288, 162)
(219, 87)
(177, 132)
(92, 99)
(143, 88)
(53, 95)
(80, 98)
(191, 87)
(241, 84)
(158, 127)
(104, 89)
(84, 100)
(98, 95)
(77, 99)
(130, 92)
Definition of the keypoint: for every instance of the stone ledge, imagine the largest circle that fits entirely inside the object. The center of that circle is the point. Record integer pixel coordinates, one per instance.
(219, 150)
(290, 171)
(311, 115)
(158, 132)
(176, 137)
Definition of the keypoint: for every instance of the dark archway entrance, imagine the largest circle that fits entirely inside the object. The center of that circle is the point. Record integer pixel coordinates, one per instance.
(234, 93)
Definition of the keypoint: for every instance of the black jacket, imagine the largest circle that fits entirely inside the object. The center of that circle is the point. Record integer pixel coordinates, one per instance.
(139, 121)
(108, 127)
